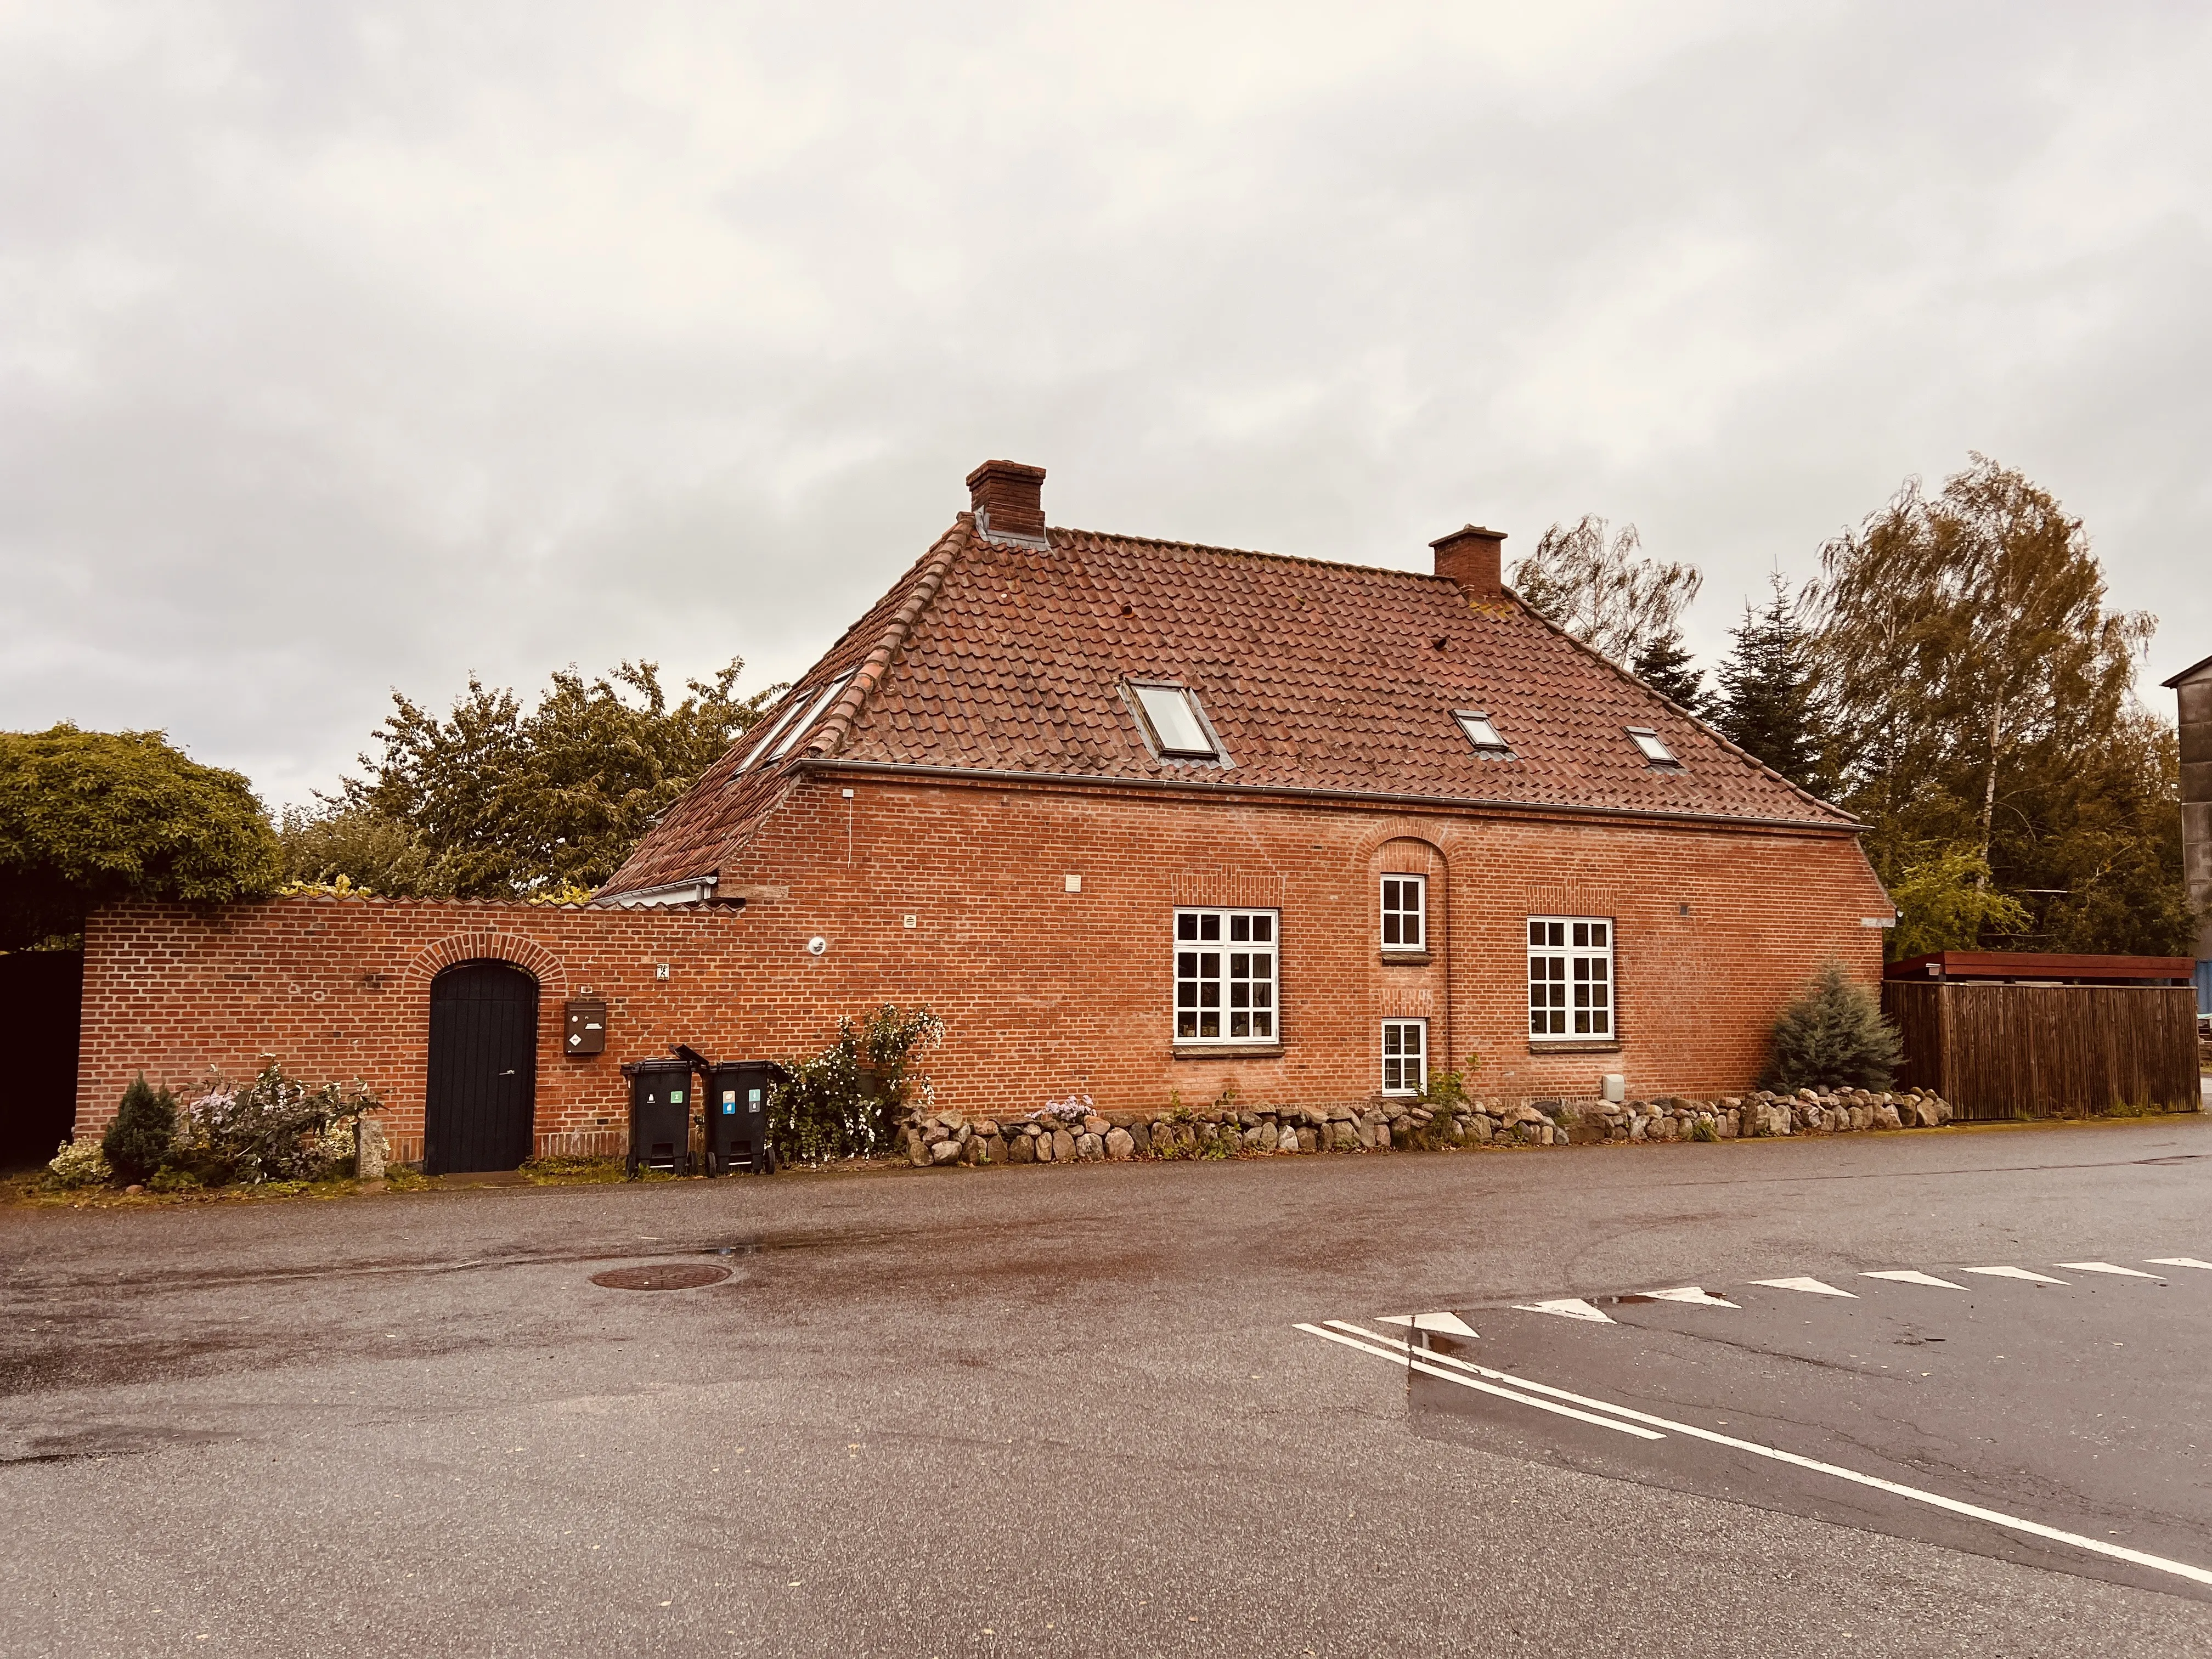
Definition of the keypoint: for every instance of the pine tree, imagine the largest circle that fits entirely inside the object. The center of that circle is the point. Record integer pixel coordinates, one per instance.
(1833, 1036)
(144, 1130)
(1664, 664)
(1766, 703)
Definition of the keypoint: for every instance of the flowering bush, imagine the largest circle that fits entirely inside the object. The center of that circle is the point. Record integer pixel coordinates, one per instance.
(274, 1129)
(1073, 1109)
(78, 1163)
(846, 1101)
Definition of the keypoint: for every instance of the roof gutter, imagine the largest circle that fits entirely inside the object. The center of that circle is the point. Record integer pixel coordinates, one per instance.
(1296, 793)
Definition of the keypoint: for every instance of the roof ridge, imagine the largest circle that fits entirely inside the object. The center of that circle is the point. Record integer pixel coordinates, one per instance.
(830, 733)
(1690, 715)
(1241, 552)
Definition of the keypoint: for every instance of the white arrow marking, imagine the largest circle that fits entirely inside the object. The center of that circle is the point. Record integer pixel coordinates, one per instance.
(2107, 1267)
(2016, 1272)
(1449, 1323)
(1567, 1307)
(2179, 1261)
(1811, 1287)
(1692, 1295)
(1914, 1276)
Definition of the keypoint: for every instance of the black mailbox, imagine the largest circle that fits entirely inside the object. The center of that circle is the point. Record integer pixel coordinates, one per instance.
(737, 1095)
(587, 1026)
(660, 1116)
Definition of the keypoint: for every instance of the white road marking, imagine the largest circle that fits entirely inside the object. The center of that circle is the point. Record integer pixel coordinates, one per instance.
(1914, 1276)
(2016, 1273)
(1810, 1287)
(1691, 1294)
(1567, 1307)
(1935, 1500)
(1420, 1361)
(2107, 1267)
(1449, 1323)
(2179, 1262)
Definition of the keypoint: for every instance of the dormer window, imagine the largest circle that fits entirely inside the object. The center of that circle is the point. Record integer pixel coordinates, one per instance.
(1480, 732)
(1175, 723)
(1653, 749)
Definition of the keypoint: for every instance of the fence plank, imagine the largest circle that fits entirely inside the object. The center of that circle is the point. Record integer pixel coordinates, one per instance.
(1999, 1051)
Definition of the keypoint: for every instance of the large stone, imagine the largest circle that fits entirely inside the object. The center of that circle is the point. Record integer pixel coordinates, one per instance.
(1141, 1136)
(987, 1126)
(917, 1149)
(1306, 1140)
(370, 1150)
(1063, 1146)
(1286, 1138)
(1120, 1144)
(944, 1151)
(1021, 1149)
(1087, 1147)
(1343, 1136)
(1258, 1138)
(1094, 1124)
(1480, 1127)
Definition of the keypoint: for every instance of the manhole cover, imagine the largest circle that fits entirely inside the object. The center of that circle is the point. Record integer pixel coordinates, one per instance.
(676, 1276)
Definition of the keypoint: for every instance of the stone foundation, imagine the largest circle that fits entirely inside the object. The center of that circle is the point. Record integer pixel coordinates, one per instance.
(945, 1139)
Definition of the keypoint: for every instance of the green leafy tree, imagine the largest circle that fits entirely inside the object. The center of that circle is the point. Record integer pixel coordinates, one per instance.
(1766, 703)
(1981, 696)
(144, 1131)
(89, 818)
(1601, 591)
(496, 800)
(1833, 1037)
(1944, 903)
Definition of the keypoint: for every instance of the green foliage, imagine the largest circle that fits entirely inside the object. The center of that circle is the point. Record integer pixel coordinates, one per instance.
(274, 1129)
(1981, 695)
(1702, 1129)
(1944, 903)
(1766, 704)
(493, 800)
(1448, 1090)
(89, 818)
(847, 1101)
(78, 1163)
(1600, 592)
(1833, 1037)
(139, 1140)
(1663, 663)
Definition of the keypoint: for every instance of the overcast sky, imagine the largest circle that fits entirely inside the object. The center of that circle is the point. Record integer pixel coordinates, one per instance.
(345, 348)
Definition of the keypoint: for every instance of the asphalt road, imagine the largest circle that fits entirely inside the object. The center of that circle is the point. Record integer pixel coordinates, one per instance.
(1045, 1410)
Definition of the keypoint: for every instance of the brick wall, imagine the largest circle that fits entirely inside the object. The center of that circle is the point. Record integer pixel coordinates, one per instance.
(1043, 990)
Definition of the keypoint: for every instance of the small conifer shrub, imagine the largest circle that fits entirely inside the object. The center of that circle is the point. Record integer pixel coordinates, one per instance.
(139, 1141)
(1833, 1037)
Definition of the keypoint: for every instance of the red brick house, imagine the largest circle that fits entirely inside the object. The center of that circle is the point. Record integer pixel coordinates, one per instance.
(1138, 818)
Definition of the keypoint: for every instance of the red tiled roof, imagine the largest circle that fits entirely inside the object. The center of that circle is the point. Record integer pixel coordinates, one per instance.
(1001, 656)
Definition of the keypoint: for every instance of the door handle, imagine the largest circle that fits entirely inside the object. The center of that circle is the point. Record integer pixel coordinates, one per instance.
(509, 1071)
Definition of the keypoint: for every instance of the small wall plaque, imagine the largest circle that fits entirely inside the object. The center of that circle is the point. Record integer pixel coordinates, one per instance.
(587, 1027)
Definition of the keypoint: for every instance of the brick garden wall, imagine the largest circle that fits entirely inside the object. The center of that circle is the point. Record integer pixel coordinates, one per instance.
(1044, 990)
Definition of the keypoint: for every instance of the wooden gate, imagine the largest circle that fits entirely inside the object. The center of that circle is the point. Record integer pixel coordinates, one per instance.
(1999, 1051)
(479, 1108)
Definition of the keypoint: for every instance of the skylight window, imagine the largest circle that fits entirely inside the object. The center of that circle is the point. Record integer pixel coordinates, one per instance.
(1178, 729)
(1654, 750)
(799, 730)
(795, 705)
(1480, 732)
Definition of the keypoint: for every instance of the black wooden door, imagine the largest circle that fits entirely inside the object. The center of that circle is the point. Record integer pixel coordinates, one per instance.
(478, 1112)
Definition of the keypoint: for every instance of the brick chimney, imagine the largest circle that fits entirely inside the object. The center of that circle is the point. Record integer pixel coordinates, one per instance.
(1475, 559)
(1009, 501)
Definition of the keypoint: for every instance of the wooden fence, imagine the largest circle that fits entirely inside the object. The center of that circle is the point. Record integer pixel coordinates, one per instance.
(1999, 1051)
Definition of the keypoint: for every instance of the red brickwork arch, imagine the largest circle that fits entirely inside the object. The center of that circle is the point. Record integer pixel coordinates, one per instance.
(485, 944)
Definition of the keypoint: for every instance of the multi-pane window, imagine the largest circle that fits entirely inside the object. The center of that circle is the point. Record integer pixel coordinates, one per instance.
(1570, 977)
(1225, 975)
(1405, 906)
(1405, 1056)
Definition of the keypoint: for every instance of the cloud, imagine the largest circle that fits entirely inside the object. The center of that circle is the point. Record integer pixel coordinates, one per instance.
(341, 352)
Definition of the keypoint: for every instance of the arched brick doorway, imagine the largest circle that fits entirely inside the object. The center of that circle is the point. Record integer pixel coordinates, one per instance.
(480, 1104)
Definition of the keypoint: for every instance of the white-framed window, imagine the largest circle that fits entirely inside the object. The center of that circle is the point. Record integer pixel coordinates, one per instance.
(1481, 731)
(1571, 978)
(1652, 746)
(1405, 1056)
(1225, 970)
(829, 694)
(1405, 912)
(1177, 724)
